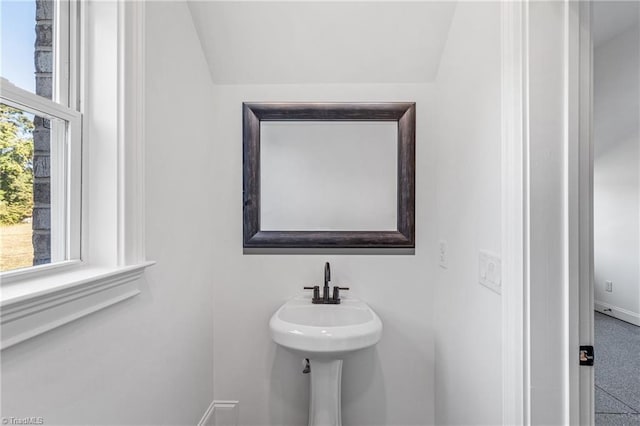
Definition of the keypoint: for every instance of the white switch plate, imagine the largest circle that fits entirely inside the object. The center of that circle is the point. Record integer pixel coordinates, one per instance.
(490, 271)
(443, 260)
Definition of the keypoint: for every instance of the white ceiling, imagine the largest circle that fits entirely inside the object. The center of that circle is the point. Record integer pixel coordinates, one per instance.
(270, 42)
(611, 18)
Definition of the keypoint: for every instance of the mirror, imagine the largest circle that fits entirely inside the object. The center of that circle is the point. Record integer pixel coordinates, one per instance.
(329, 175)
(323, 155)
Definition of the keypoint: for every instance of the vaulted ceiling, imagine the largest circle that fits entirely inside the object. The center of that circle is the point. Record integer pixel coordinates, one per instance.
(270, 42)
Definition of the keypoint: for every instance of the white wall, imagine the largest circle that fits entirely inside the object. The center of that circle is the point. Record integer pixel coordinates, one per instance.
(617, 174)
(391, 384)
(466, 129)
(442, 336)
(147, 360)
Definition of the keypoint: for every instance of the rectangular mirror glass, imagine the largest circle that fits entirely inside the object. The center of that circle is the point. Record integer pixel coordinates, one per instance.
(328, 176)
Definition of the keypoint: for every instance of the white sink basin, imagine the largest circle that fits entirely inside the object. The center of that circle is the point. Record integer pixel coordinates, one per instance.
(325, 330)
(324, 334)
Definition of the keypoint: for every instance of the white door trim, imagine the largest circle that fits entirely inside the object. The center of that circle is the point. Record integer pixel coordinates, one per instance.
(515, 375)
(580, 302)
(573, 282)
(583, 406)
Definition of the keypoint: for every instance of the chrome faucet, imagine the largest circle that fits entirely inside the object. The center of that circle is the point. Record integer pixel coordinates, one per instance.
(325, 299)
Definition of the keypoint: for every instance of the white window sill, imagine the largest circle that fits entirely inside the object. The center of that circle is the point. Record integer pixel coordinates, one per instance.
(33, 306)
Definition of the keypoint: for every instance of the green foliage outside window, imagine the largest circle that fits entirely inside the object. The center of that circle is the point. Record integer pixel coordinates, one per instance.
(16, 165)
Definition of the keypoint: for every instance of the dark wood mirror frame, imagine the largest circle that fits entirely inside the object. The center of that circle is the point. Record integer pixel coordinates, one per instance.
(401, 112)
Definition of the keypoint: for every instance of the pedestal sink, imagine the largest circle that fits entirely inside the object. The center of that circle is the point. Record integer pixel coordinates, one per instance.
(324, 334)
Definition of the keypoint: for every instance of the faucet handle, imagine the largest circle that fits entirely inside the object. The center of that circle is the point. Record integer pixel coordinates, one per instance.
(336, 293)
(316, 292)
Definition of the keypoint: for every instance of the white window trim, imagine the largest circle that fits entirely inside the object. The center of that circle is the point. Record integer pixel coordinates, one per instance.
(112, 230)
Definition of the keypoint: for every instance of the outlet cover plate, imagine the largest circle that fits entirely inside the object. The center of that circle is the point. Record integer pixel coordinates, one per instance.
(490, 271)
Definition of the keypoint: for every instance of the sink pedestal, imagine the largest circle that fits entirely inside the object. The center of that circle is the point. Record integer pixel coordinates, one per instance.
(326, 381)
(325, 334)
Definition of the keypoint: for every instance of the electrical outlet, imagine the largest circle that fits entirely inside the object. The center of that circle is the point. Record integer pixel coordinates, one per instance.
(442, 255)
(608, 286)
(490, 271)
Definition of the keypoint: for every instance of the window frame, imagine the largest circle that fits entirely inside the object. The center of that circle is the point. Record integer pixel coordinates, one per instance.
(66, 144)
(66, 178)
(111, 258)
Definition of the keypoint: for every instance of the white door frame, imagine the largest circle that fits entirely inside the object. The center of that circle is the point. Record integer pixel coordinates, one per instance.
(513, 150)
(546, 320)
(581, 303)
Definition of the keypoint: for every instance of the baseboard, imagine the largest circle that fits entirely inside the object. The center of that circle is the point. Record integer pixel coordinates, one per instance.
(621, 314)
(221, 413)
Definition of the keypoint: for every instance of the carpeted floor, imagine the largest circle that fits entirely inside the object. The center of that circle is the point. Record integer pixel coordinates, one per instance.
(617, 371)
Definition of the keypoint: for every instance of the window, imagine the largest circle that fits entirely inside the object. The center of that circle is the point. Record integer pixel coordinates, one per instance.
(96, 194)
(40, 163)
